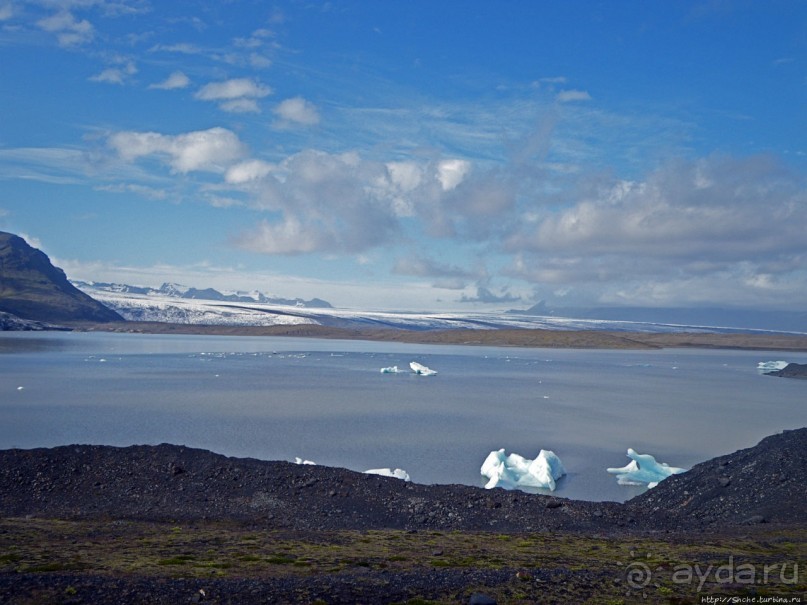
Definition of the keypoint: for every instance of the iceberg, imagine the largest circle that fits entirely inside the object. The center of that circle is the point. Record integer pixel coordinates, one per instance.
(390, 370)
(642, 469)
(516, 472)
(388, 472)
(421, 370)
(765, 367)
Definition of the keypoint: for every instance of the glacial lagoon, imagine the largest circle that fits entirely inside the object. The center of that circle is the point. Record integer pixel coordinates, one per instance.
(327, 401)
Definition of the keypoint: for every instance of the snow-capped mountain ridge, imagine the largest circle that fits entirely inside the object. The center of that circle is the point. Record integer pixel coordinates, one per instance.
(174, 290)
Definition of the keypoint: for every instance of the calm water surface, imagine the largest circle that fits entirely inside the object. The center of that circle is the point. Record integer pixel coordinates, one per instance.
(323, 400)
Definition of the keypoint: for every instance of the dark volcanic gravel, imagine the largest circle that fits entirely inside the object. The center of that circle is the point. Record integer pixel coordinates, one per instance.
(767, 483)
(764, 483)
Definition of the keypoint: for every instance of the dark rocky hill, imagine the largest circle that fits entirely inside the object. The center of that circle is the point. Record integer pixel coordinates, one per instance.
(791, 370)
(765, 483)
(32, 288)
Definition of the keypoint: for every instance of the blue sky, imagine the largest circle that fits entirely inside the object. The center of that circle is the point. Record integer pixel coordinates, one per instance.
(414, 155)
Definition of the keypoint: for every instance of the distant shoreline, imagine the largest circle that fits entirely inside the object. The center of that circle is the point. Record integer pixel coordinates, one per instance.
(528, 338)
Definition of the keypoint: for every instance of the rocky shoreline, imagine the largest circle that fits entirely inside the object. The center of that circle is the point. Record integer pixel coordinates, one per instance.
(177, 483)
(149, 498)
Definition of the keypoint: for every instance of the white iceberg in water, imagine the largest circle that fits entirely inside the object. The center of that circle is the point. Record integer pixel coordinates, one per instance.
(516, 472)
(390, 370)
(765, 367)
(642, 469)
(388, 472)
(421, 370)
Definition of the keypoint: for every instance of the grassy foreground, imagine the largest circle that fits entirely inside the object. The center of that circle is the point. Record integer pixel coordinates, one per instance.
(529, 568)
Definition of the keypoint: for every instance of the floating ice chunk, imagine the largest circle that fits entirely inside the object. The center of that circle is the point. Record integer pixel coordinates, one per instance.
(20, 388)
(516, 472)
(301, 461)
(421, 370)
(766, 367)
(643, 468)
(398, 473)
(390, 370)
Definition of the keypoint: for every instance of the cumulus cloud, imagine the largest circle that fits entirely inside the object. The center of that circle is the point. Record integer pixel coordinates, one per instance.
(324, 203)
(451, 173)
(115, 75)
(212, 150)
(69, 31)
(297, 111)
(733, 227)
(176, 80)
(238, 95)
(245, 172)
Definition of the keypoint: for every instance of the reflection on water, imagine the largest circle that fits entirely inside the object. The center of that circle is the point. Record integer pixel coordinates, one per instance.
(11, 342)
(327, 401)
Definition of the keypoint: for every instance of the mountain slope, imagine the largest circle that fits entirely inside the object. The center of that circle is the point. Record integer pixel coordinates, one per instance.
(32, 288)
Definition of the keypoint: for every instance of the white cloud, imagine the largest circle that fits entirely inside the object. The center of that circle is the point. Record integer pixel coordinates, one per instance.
(245, 172)
(69, 30)
(287, 237)
(176, 80)
(240, 106)
(567, 96)
(233, 89)
(297, 111)
(212, 150)
(326, 202)
(451, 173)
(182, 48)
(115, 75)
(238, 95)
(719, 230)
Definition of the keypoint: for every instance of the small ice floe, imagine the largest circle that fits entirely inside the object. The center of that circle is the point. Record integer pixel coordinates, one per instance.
(301, 461)
(421, 370)
(766, 367)
(516, 472)
(643, 469)
(20, 388)
(391, 370)
(398, 473)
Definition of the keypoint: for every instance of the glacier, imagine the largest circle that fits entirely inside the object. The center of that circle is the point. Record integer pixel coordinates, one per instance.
(421, 370)
(516, 472)
(643, 469)
(388, 472)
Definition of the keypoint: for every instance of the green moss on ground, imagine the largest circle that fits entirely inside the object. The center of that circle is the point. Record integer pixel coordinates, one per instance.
(582, 568)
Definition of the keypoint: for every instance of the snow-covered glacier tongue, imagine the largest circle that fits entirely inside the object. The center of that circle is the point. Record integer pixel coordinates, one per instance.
(643, 469)
(517, 472)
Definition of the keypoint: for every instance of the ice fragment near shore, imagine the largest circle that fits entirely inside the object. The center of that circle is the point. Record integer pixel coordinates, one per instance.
(390, 370)
(421, 370)
(765, 367)
(642, 469)
(516, 472)
(388, 472)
